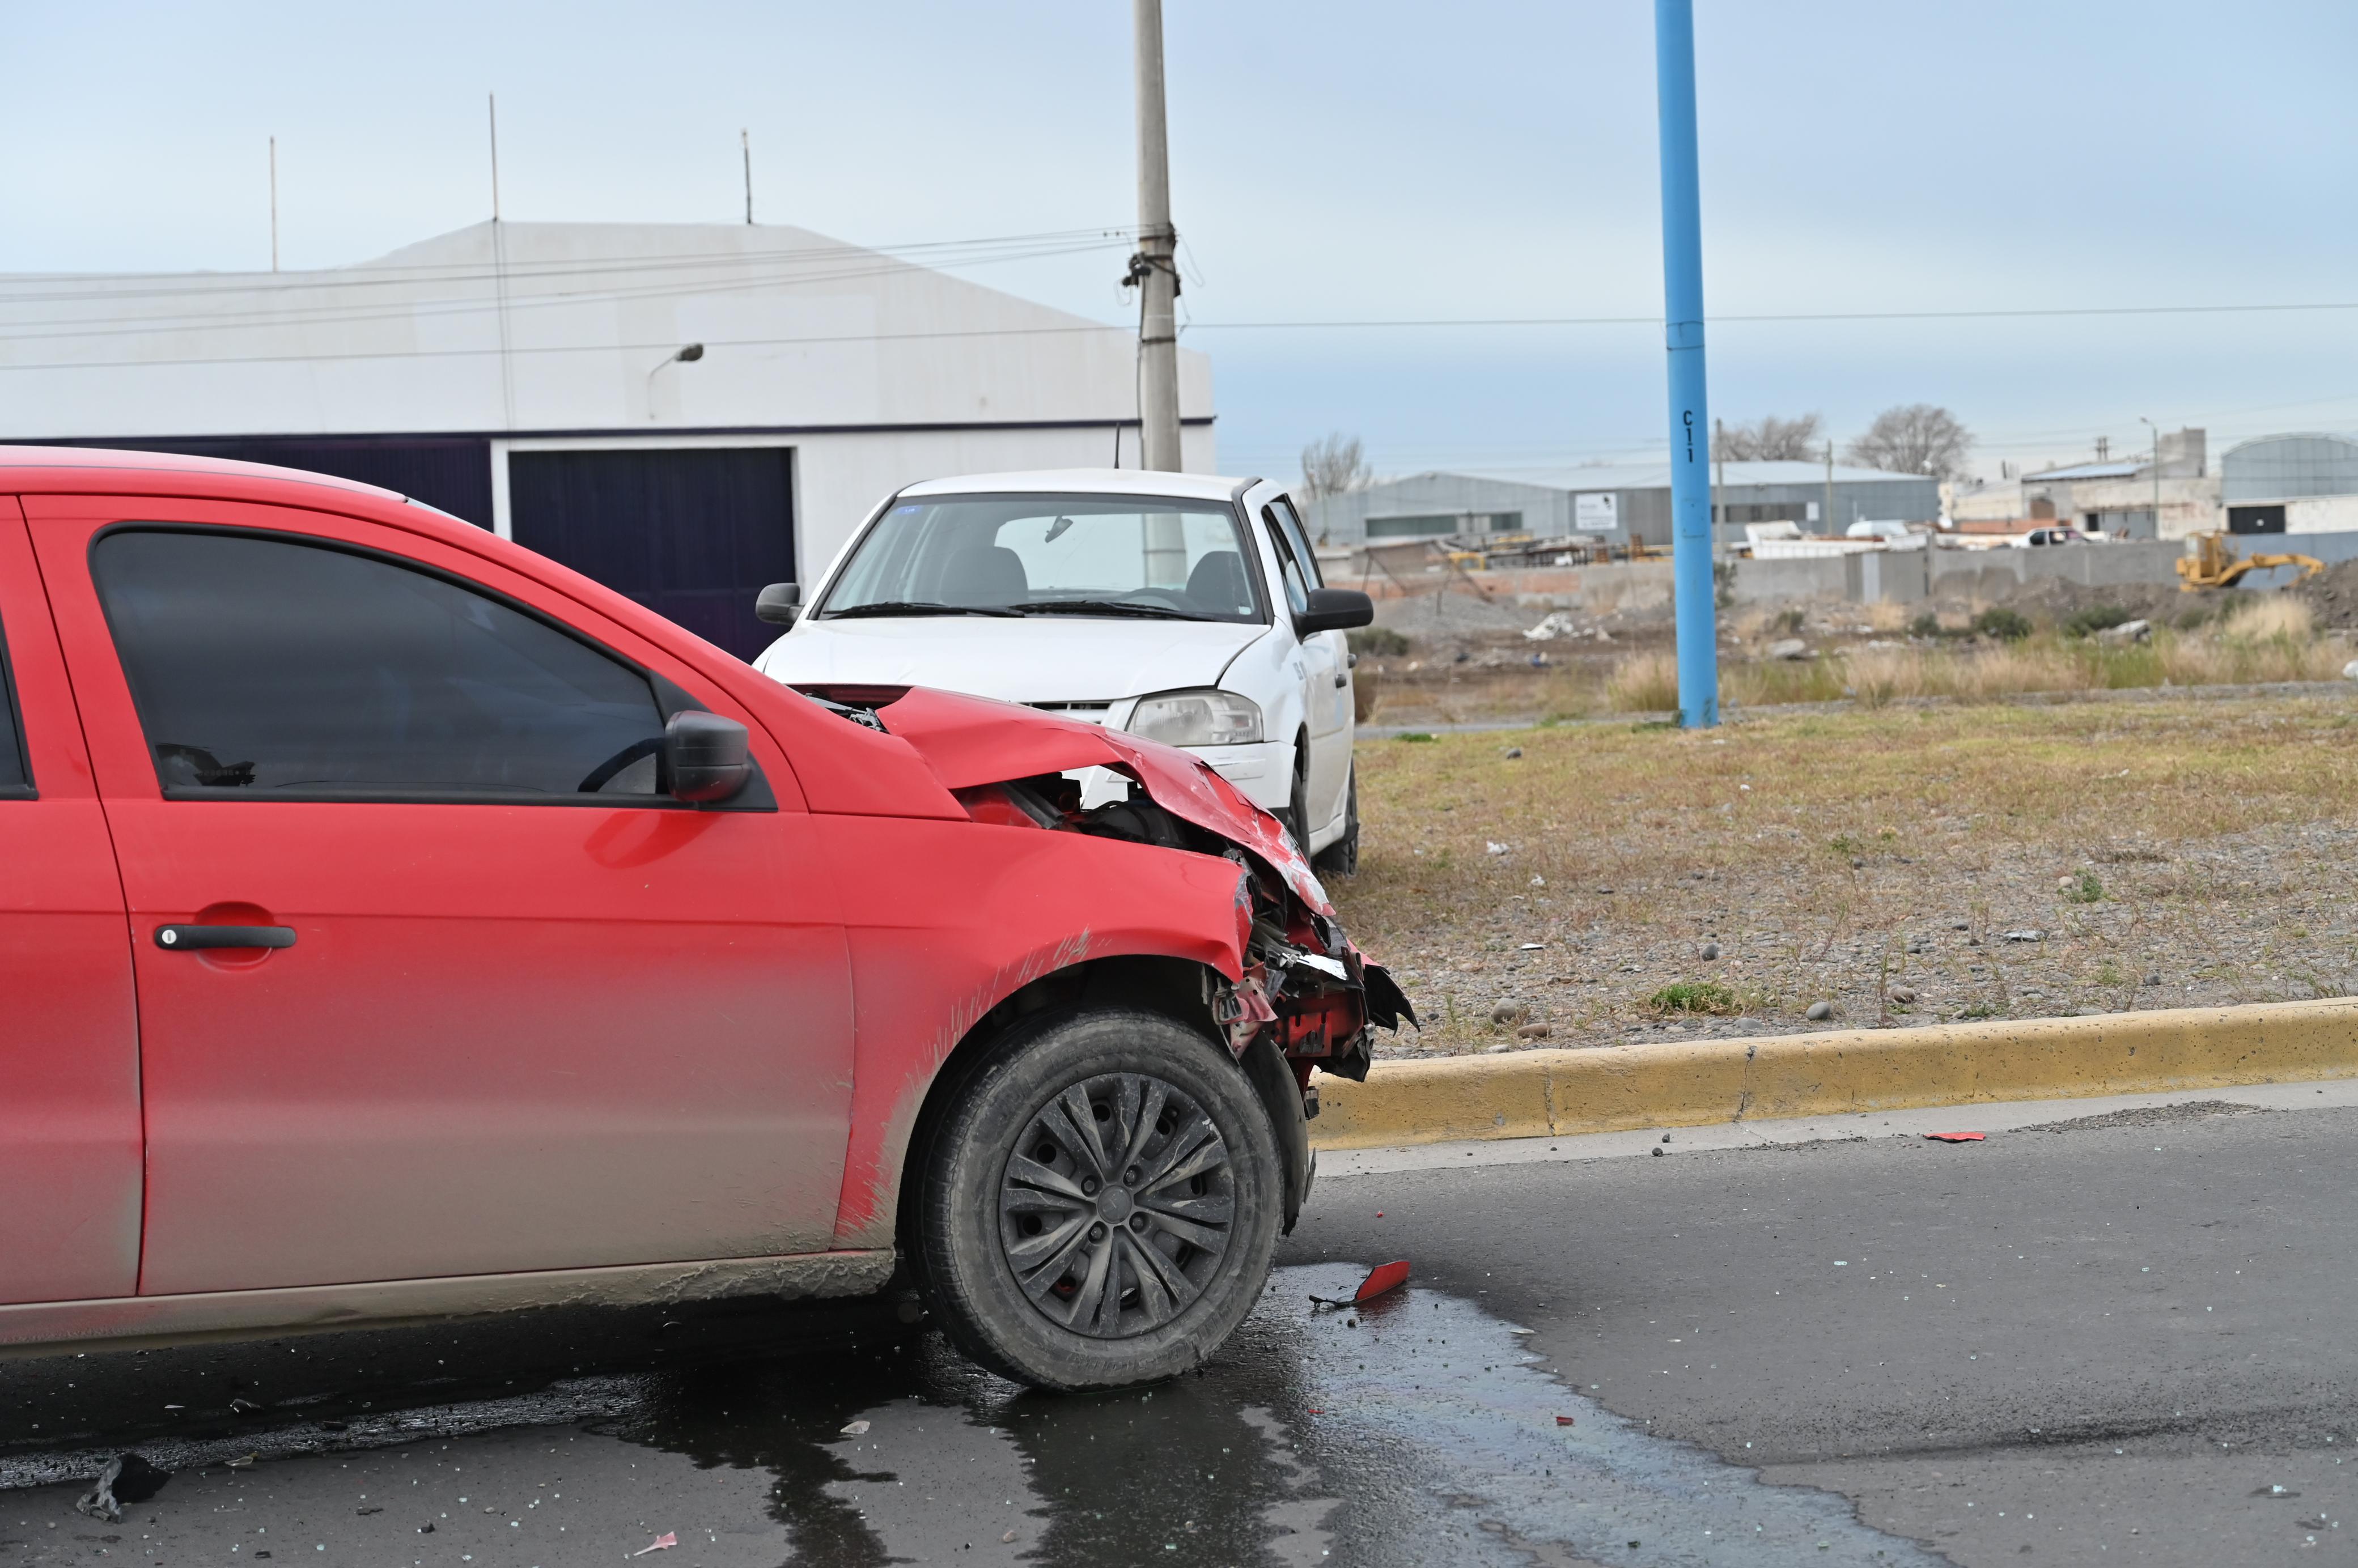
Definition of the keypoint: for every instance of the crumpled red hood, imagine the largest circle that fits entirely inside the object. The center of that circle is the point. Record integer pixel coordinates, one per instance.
(972, 741)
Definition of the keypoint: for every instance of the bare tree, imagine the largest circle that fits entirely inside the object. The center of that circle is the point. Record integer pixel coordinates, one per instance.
(1333, 464)
(1915, 437)
(1771, 438)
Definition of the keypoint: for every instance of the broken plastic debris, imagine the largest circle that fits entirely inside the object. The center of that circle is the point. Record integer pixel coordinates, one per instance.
(244, 1462)
(853, 1429)
(1563, 1420)
(1008, 1537)
(1494, 848)
(1382, 1278)
(663, 1543)
(127, 1478)
(1534, 947)
(2026, 935)
(1955, 1137)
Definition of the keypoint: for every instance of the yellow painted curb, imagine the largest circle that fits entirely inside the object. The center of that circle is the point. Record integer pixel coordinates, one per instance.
(1528, 1093)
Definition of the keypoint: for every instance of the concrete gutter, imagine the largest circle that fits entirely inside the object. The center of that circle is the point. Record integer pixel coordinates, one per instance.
(1536, 1093)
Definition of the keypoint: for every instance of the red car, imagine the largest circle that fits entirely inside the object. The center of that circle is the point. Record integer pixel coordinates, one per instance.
(397, 924)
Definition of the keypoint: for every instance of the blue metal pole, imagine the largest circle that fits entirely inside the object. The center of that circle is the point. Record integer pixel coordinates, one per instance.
(1690, 522)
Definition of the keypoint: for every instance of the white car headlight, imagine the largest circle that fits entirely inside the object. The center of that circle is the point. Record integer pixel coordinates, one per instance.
(1205, 718)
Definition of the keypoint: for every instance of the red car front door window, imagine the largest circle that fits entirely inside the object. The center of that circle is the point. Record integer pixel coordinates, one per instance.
(520, 1027)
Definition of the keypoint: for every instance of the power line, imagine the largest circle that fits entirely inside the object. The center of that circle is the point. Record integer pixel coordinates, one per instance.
(331, 315)
(522, 351)
(383, 273)
(1445, 321)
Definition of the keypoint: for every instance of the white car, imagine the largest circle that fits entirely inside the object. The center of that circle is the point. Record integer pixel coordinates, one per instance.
(1181, 607)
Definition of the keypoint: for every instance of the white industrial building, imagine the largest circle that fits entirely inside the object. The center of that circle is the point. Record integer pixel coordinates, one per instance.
(683, 411)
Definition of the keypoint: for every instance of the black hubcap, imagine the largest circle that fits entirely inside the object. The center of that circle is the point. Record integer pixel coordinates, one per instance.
(1115, 1205)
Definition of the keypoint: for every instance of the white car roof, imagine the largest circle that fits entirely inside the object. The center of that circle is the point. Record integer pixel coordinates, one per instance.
(1085, 481)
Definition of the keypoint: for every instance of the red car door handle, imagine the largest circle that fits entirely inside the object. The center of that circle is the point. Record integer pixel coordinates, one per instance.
(180, 938)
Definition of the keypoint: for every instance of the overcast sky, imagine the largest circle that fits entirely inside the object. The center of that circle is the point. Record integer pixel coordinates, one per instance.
(1363, 161)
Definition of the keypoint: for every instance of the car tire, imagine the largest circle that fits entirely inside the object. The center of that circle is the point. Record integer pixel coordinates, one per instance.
(1031, 1239)
(1342, 857)
(1295, 817)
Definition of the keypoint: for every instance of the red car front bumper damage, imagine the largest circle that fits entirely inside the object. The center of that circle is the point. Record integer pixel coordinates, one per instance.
(1297, 980)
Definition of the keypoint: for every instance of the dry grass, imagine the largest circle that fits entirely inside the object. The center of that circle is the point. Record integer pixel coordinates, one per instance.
(2249, 638)
(1643, 683)
(1817, 846)
(2271, 638)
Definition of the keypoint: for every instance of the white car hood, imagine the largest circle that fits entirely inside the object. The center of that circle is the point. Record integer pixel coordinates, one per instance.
(1038, 659)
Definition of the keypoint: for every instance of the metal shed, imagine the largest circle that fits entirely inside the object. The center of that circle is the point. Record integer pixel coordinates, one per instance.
(1616, 502)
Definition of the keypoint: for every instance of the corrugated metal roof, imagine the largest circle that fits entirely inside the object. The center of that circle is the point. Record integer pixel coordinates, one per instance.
(2090, 470)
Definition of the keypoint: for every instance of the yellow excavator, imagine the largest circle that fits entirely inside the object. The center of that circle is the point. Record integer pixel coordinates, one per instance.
(2213, 563)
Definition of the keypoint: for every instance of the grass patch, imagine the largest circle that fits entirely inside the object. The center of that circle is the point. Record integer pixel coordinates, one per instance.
(2094, 618)
(2006, 625)
(2084, 889)
(1707, 997)
(1417, 737)
(1643, 683)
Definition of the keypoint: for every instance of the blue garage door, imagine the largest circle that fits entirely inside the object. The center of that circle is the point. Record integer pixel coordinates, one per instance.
(693, 534)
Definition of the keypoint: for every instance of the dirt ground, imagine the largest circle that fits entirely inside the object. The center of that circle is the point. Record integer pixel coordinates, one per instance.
(1557, 885)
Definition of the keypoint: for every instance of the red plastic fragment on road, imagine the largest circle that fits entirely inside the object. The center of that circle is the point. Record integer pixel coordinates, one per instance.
(663, 1543)
(1384, 1277)
(1563, 1420)
(1955, 1137)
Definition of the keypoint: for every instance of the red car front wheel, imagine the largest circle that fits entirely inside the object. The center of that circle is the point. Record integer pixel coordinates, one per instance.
(1100, 1205)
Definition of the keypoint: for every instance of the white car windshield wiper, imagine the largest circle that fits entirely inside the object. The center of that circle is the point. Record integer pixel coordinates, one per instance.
(1101, 607)
(913, 607)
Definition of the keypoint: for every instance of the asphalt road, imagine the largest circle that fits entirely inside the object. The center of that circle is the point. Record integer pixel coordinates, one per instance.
(2131, 1339)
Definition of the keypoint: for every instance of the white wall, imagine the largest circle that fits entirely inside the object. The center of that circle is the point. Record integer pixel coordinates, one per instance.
(2313, 514)
(839, 478)
(556, 327)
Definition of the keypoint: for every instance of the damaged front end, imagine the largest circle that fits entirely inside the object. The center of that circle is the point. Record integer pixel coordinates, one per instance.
(1300, 983)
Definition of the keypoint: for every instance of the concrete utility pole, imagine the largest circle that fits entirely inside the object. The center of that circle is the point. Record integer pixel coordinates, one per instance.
(1155, 269)
(2156, 474)
(745, 142)
(1718, 484)
(1691, 530)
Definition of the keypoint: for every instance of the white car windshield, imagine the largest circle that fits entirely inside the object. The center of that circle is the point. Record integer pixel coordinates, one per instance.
(1152, 558)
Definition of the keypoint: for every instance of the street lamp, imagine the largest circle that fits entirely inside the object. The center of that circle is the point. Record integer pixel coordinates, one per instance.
(687, 354)
(2157, 473)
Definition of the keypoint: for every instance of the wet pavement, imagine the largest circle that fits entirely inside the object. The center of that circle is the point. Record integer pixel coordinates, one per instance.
(1414, 1430)
(1718, 1356)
